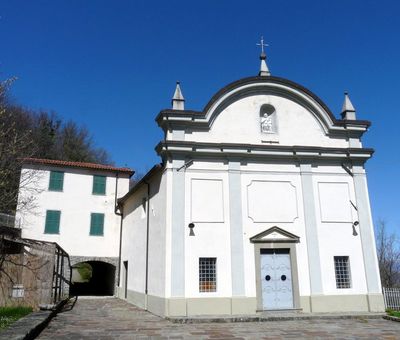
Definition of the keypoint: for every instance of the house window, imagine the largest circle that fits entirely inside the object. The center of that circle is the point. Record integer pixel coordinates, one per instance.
(52, 225)
(342, 272)
(99, 185)
(56, 181)
(207, 274)
(96, 224)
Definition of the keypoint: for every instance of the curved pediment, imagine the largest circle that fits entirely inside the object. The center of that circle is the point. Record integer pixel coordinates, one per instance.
(259, 86)
(270, 86)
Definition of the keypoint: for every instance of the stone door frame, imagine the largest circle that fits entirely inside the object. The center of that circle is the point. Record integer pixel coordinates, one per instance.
(287, 241)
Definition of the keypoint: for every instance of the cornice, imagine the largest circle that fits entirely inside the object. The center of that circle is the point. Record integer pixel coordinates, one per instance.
(168, 149)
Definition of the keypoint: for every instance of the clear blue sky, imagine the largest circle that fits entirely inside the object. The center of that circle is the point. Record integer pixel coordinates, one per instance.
(112, 65)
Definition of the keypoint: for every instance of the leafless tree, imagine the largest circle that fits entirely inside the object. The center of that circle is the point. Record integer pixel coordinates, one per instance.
(14, 143)
(14, 254)
(388, 249)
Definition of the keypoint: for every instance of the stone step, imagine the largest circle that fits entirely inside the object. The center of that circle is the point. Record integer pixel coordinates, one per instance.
(273, 316)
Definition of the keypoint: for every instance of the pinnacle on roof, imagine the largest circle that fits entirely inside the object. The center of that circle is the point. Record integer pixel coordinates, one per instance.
(348, 110)
(178, 101)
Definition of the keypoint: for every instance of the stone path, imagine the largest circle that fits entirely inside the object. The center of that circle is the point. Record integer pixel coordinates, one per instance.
(112, 318)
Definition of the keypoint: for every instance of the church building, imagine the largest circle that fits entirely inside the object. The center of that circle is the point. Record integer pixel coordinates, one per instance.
(260, 203)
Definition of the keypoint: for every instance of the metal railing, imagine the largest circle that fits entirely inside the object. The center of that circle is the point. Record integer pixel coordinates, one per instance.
(60, 282)
(7, 220)
(391, 297)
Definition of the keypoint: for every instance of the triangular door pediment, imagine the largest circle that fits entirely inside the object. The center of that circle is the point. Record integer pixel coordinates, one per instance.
(275, 234)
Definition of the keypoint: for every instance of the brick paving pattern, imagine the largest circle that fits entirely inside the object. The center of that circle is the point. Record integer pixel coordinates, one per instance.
(112, 318)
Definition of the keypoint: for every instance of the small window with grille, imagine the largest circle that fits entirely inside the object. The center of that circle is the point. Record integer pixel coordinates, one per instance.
(207, 274)
(342, 272)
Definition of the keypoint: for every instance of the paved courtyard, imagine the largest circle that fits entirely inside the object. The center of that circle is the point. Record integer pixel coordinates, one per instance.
(112, 318)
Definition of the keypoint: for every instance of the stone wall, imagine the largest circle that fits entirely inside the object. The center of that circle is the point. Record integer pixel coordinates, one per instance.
(32, 272)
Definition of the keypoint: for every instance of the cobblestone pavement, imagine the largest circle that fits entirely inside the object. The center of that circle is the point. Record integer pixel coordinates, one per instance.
(112, 318)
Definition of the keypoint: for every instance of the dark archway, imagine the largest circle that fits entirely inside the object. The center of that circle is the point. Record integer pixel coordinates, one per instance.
(97, 278)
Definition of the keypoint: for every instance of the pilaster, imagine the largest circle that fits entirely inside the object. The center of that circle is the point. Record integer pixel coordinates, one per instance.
(178, 230)
(366, 230)
(311, 229)
(236, 229)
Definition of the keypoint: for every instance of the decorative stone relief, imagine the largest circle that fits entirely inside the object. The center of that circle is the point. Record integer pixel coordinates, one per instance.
(268, 121)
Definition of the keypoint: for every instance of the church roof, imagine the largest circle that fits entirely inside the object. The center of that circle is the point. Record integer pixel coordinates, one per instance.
(154, 170)
(82, 165)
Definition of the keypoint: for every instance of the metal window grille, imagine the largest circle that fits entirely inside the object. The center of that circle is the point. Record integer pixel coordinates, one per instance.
(342, 272)
(207, 274)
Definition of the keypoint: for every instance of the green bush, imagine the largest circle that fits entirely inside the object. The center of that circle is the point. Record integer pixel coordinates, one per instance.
(8, 315)
(393, 313)
(85, 271)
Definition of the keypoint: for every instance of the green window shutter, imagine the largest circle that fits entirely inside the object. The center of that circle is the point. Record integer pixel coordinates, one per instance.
(56, 181)
(99, 185)
(97, 224)
(52, 222)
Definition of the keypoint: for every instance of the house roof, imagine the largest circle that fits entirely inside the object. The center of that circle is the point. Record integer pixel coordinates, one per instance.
(155, 169)
(82, 165)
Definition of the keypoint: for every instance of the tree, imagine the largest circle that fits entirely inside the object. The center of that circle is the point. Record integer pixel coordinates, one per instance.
(14, 142)
(388, 249)
(25, 133)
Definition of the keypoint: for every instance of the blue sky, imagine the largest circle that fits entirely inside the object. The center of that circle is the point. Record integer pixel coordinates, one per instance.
(112, 65)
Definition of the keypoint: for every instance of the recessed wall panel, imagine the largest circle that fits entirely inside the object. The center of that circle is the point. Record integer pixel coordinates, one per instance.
(207, 200)
(272, 201)
(334, 201)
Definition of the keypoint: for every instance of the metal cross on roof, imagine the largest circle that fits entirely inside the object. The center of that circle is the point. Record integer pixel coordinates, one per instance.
(262, 45)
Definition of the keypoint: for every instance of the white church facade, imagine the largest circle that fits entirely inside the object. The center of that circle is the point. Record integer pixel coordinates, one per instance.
(260, 203)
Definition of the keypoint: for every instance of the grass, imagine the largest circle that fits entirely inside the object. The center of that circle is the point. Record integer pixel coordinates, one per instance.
(393, 313)
(8, 315)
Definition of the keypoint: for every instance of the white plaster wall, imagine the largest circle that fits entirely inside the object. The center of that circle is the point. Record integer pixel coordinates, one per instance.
(157, 235)
(212, 239)
(296, 225)
(168, 227)
(76, 203)
(134, 236)
(240, 123)
(336, 235)
(133, 248)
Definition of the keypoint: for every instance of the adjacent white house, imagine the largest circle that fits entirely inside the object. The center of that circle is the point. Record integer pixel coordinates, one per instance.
(73, 204)
(260, 203)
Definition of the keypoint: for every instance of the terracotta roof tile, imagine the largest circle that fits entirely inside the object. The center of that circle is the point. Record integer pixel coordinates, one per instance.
(82, 165)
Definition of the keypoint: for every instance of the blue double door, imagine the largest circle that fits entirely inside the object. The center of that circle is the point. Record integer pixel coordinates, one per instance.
(276, 279)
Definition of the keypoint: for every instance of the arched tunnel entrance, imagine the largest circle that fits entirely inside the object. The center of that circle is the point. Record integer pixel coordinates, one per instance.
(93, 278)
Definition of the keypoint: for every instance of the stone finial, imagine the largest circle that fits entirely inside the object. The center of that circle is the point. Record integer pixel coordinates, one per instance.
(264, 71)
(348, 110)
(178, 102)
